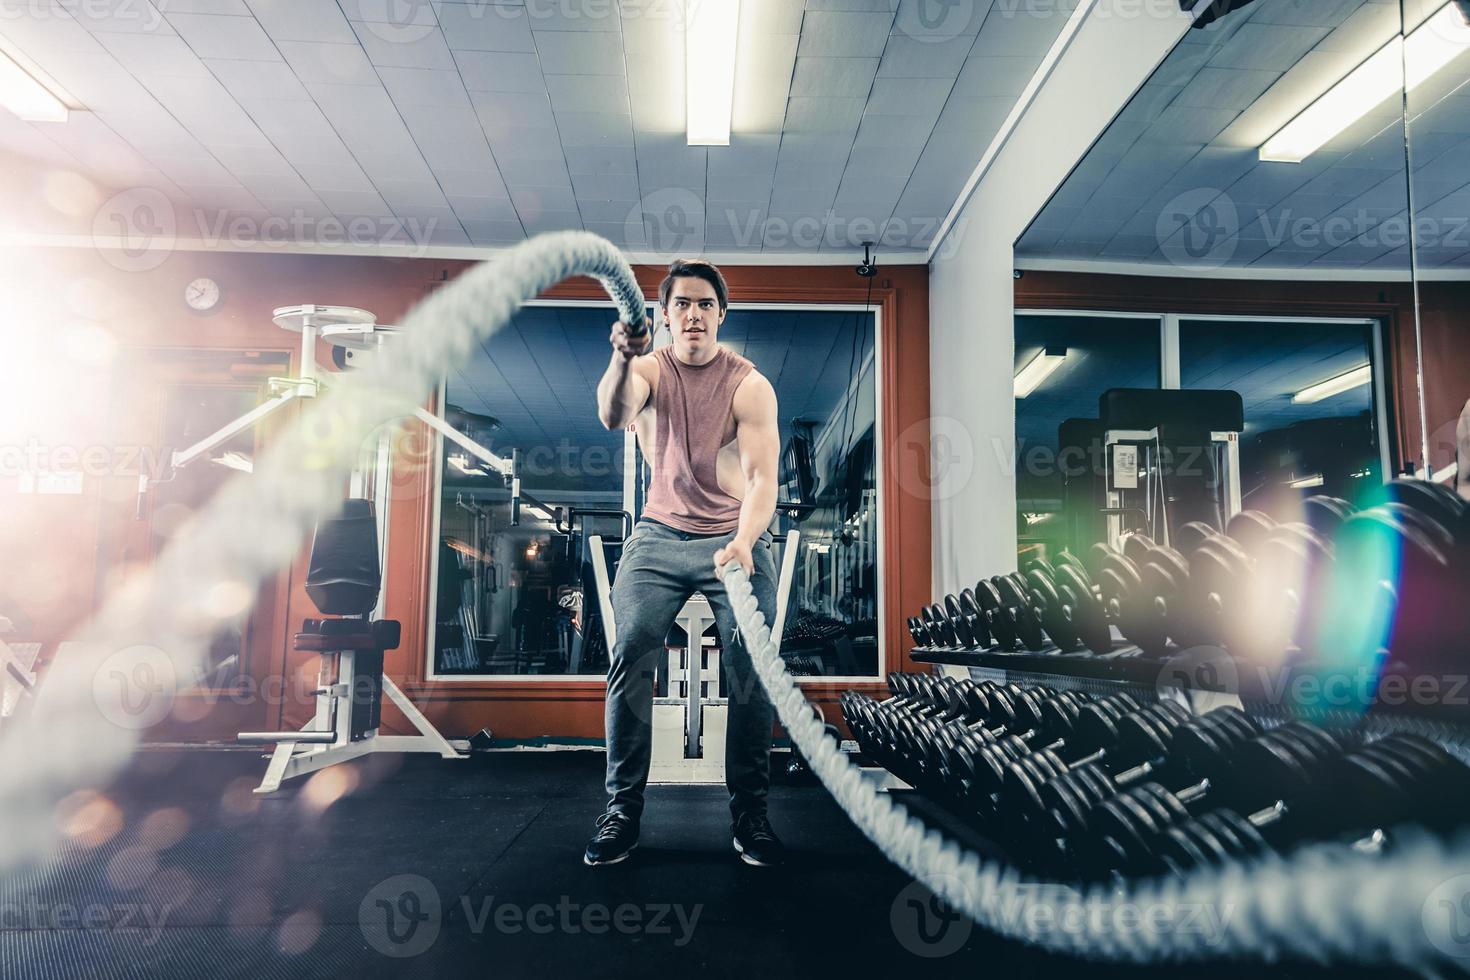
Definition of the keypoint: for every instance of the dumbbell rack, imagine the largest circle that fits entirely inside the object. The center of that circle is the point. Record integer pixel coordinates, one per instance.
(1269, 696)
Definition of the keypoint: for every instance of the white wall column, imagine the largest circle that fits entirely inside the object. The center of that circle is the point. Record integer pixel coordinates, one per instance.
(1105, 52)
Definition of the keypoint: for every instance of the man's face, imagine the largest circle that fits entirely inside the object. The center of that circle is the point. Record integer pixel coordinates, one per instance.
(694, 315)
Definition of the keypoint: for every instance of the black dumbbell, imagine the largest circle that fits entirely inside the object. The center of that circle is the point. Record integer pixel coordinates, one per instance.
(1055, 811)
(1398, 779)
(1014, 597)
(1270, 770)
(1140, 741)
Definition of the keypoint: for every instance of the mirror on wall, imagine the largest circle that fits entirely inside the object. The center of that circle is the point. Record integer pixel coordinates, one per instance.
(1436, 53)
(521, 598)
(1242, 227)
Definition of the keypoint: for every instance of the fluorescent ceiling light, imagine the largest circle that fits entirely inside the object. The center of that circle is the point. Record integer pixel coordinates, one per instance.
(1355, 378)
(1434, 44)
(1038, 369)
(26, 97)
(710, 30)
(1306, 482)
(537, 512)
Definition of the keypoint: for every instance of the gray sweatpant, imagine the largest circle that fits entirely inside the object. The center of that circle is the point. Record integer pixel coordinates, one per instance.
(660, 568)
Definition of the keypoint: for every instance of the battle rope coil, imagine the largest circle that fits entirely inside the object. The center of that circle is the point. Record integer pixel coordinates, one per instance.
(1318, 904)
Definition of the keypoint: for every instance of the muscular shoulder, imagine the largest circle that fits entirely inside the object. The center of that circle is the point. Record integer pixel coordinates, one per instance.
(755, 398)
(646, 367)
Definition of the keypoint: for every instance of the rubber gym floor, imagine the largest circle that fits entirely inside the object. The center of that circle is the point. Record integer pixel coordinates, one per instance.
(177, 870)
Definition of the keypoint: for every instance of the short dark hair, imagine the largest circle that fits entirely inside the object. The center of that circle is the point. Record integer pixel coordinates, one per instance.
(694, 269)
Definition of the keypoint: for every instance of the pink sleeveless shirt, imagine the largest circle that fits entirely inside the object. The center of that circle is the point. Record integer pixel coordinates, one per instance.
(694, 417)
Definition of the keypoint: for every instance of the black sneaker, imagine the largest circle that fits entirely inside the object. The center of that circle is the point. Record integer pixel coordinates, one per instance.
(756, 842)
(617, 835)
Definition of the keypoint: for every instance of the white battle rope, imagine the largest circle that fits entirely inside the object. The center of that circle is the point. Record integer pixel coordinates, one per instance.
(151, 634)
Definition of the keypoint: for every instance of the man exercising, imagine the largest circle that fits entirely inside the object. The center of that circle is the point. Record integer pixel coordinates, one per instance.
(706, 422)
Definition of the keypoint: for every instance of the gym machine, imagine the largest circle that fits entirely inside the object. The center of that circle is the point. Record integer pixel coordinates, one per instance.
(689, 721)
(1170, 456)
(345, 583)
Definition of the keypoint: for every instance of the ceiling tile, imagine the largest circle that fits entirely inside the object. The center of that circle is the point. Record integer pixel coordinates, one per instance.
(573, 53)
(588, 93)
(541, 222)
(496, 71)
(1269, 47)
(410, 51)
(880, 161)
(747, 154)
(527, 143)
(348, 203)
(152, 54)
(608, 211)
(236, 7)
(844, 34)
(595, 129)
(535, 200)
(493, 232)
(336, 64)
(601, 160)
(250, 81)
(212, 36)
(902, 131)
(410, 193)
(528, 172)
(243, 160)
(804, 115)
(834, 77)
(995, 75)
(318, 21)
(1018, 32)
(727, 187)
(606, 187)
(485, 27)
(108, 16)
(898, 96)
(1226, 88)
(927, 21)
(498, 110)
(483, 208)
(907, 57)
(427, 87)
(468, 184)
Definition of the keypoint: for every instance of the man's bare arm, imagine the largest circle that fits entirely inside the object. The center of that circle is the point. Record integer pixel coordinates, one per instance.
(623, 391)
(758, 439)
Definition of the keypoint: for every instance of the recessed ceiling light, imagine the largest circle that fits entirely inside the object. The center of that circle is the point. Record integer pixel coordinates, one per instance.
(710, 31)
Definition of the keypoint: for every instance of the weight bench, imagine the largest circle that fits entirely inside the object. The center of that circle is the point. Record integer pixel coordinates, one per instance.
(343, 581)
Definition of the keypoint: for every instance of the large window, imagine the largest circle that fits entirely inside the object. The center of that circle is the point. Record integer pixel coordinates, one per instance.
(1311, 389)
(522, 599)
(1311, 421)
